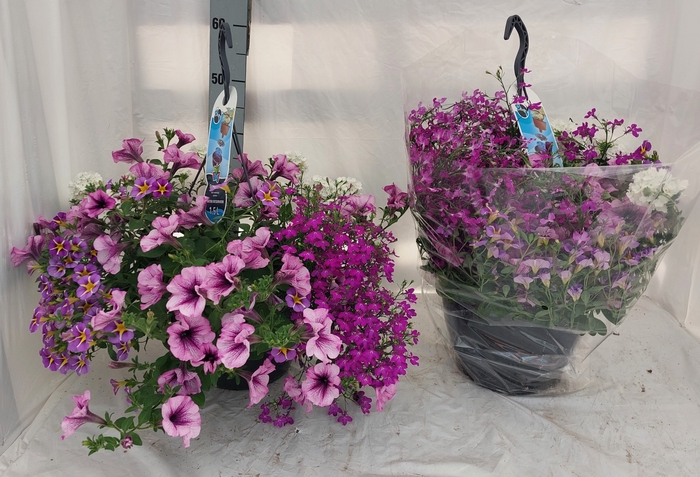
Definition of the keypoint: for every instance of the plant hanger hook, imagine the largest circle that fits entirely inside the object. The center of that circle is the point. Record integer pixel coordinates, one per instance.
(225, 40)
(514, 21)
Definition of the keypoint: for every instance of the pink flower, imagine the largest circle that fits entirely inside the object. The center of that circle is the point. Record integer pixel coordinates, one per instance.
(187, 337)
(148, 171)
(285, 168)
(80, 415)
(397, 198)
(293, 388)
(252, 249)
(233, 344)
(104, 319)
(188, 291)
(181, 418)
(324, 345)
(257, 382)
(322, 384)
(172, 154)
(196, 215)
(131, 151)
(223, 277)
(245, 197)
(35, 244)
(162, 233)
(363, 204)
(109, 252)
(97, 202)
(294, 273)
(150, 285)
(183, 138)
(384, 395)
(188, 381)
(254, 168)
(210, 360)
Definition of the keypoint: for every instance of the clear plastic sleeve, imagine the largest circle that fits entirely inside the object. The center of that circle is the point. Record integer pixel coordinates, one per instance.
(533, 268)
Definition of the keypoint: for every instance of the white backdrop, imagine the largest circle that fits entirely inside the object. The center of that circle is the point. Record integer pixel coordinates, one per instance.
(324, 79)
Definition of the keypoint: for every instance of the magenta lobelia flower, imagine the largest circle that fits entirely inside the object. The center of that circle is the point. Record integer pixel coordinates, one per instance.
(257, 382)
(131, 151)
(222, 277)
(324, 345)
(384, 395)
(322, 384)
(181, 418)
(80, 415)
(162, 233)
(233, 343)
(188, 291)
(294, 273)
(109, 252)
(187, 337)
(150, 285)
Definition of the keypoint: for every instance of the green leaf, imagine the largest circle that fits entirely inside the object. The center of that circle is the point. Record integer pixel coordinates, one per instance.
(144, 416)
(198, 399)
(136, 438)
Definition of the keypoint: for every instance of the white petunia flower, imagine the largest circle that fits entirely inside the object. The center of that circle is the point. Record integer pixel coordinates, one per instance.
(297, 159)
(655, 188)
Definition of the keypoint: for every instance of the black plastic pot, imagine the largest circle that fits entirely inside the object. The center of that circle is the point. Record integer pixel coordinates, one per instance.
(224, 382)
(509, 359)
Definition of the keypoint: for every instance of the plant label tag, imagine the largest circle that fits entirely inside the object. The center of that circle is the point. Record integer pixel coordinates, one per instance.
(535, 128)
(219, 153)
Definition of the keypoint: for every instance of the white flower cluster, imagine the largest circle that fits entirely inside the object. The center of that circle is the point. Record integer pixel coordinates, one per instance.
(655, 187)
(297, 159)
(78, 187)
(200, 150)
(337, 187)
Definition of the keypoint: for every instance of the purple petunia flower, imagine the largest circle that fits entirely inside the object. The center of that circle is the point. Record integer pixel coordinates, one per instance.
(384, 395)
(181, 418)
(188, 291)
(131, 151)
(97, 202)
(183, 138)
(210, 360)
(233, 343)
(109, 251)
(163, 229)
(324, 345)
(223, 277)
(35, 244)
(188, 381)
(150, 285)
(187, 336)
(80, 415)
(294, 273)
(179, 159)
(322, 384)
(283, 167)
(258, 381)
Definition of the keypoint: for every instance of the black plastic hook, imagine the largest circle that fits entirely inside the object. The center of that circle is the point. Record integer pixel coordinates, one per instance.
(514, 21)
(225, 39)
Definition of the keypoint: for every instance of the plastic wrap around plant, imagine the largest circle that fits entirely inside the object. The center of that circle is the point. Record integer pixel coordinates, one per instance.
(533, 265)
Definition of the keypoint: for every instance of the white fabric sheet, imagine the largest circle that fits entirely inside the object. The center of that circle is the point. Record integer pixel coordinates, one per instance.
(325, 79)
(638, 418)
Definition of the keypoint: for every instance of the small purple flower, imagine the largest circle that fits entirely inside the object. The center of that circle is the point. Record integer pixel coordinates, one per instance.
(142, 187)
(57, 268)
(58, 247)
(296, 302)
(575, 291)
(280, 355)
(88, 286)
(78, 338)
(269, 195)
(128, 442)
(162, 188)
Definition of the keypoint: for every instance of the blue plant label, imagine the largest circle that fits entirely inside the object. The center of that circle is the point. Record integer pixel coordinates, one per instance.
(535, 128)
(219, 154)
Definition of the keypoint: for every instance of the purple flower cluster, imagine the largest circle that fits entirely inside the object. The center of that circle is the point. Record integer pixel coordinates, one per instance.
(511, 240)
